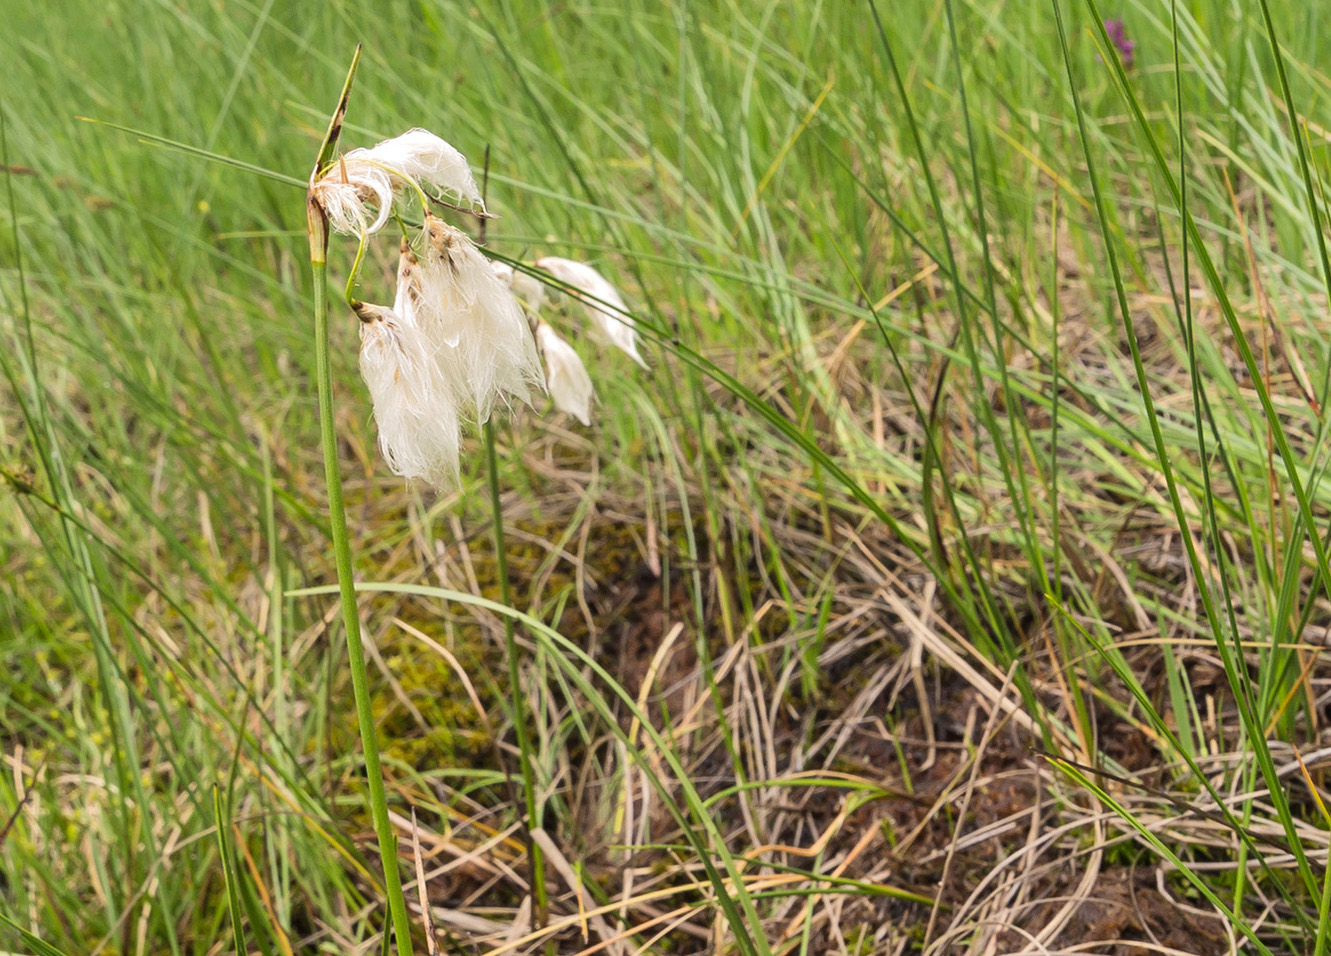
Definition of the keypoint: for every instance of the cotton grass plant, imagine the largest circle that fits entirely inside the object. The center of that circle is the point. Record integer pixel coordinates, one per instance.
(415, 388)
(567, 380)
(350, 197)
(800, 250)
(455, 343)
(454, 346)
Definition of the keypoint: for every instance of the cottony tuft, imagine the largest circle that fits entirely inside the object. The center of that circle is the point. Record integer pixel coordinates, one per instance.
(359, 189)
(604, 306)
(418, 423)
(566, 378)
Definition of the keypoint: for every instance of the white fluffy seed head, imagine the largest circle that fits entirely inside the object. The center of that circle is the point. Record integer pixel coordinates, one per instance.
(484, 345)
(357, 191)
(605, 308)
(417, 419)
(420, 157)
(350, 192)
(529, 290)
(570, 386)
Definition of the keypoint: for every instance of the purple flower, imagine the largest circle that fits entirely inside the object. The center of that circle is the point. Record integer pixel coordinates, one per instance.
(1118, 35)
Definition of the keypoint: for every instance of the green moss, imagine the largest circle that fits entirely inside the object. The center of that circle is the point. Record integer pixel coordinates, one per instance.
(450, 732)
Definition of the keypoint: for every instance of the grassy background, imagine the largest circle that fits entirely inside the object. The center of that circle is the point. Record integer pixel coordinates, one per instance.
(890, 513)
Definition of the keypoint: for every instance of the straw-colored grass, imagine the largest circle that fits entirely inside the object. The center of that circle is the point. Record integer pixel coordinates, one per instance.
(953, 581)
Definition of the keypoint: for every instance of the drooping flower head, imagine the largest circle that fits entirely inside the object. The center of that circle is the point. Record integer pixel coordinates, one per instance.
(418, 423)
(570, 386)
(484, 344)
(529, 289)
(357, 192)
(357, 197)
(603, 304)
(418, 159)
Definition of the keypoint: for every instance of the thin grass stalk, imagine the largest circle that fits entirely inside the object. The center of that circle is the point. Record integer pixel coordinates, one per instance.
(1312, 189)
(39, 946)
(1202, 414)
(1314, 208)
(1237, 677)
(85, 584)
(337, 520)
(535, 858)
(997, 622)
(1014, 474)
(701, 647)
(1323, 917)
(1201, 410)
(318, 236)
(1080, 711)
(317, 225)
(222, 821)
(724, 874)
(1148, 836)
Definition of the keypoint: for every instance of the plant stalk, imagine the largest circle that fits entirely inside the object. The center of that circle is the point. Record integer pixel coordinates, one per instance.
(318, 231)
(534, 856)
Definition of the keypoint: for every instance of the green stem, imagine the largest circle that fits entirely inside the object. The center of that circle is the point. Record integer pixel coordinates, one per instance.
(346, 585)
(534, 856)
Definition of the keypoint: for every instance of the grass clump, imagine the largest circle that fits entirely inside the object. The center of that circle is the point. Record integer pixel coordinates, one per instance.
(953, 577)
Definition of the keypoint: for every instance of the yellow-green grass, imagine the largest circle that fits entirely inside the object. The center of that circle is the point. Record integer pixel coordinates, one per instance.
(830, 618)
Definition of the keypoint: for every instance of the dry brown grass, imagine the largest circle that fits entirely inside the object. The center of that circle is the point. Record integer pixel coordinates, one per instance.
(900, 799)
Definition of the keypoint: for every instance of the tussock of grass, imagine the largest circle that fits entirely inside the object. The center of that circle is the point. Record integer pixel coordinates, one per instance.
(885, 614)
